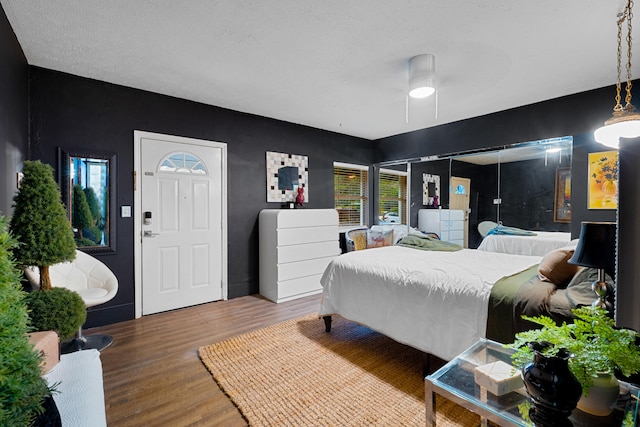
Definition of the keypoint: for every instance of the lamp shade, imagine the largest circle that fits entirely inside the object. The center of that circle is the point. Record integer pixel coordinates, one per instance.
(596, 247)
(610, 134)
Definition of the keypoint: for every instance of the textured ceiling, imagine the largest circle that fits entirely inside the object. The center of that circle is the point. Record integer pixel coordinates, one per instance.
(335, 65)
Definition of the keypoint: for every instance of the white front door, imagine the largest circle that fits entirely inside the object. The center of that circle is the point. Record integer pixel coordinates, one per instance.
(181, 223)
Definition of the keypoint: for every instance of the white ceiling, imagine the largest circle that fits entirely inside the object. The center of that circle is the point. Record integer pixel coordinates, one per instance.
(339, 65)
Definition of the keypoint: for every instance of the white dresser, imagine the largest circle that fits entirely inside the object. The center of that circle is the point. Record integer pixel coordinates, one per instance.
(296, 245)
(449, 224)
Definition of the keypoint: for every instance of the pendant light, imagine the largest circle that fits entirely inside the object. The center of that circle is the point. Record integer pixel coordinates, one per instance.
(625, 122)
(422, 69)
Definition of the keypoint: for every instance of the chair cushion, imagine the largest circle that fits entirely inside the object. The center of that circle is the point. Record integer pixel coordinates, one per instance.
(86, 275)
(92, 294)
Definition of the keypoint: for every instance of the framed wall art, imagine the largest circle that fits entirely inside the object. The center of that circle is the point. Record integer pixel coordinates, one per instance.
(562, 197)
(603, 180)
(430, 190)
(285, 174)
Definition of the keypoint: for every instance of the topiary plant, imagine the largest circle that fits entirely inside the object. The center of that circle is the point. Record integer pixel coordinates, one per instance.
(40, 222)
(21, 386)
(58, 309)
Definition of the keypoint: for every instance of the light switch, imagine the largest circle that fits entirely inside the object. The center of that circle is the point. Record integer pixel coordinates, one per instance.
(125, 211)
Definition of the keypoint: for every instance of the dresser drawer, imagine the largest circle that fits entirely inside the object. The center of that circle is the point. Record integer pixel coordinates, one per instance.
(297, 218)
(297, 269)
(456, 235)
(453, 225)
(307, 251)
(296, 236)
(451, 215)
(287, 289)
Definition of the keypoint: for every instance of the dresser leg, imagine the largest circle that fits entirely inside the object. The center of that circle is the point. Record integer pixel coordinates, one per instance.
(327, 323)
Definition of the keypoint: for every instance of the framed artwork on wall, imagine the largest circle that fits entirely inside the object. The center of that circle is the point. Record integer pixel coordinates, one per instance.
(603, 180)
(430, 190)
(562, 197)
(285, 174)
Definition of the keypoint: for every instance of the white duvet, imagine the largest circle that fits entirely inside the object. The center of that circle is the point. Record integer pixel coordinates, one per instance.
(433, 301)
(540, 244)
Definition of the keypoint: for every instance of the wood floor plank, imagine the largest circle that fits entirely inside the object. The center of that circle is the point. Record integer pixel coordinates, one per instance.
(152, 372)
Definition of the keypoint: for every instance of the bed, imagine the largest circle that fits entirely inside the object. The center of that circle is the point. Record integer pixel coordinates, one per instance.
(438, 301)
(538, 244)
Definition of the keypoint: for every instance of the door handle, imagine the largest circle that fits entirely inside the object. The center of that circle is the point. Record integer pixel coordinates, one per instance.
(149, 233)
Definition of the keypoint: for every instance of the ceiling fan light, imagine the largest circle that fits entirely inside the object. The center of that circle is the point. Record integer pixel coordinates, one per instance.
(421, 72)
(422, 92)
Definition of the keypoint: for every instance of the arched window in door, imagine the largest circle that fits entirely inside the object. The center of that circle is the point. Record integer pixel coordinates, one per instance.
(182, 163)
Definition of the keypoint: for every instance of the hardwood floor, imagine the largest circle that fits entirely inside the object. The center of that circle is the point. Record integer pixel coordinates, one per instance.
(153, 375)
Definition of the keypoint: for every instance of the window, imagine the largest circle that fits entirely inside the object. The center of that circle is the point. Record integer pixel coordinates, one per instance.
(351, 194)
(392, 207)
(183, 163)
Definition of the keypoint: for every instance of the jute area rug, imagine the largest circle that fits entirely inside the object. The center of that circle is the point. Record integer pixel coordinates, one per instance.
(295, 374)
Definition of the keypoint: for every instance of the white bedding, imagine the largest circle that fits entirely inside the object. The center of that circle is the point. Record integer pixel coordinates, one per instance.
(540, 244)
(80, 394)
(433, 301)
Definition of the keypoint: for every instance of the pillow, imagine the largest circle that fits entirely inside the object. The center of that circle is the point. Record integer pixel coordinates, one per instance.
(554, 267)
(399, 230)
(359, 238)
(377, 239)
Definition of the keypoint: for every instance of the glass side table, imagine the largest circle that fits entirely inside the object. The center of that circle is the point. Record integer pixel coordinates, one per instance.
(455, 381)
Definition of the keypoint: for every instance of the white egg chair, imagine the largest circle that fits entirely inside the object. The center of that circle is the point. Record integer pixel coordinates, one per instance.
(95, 283)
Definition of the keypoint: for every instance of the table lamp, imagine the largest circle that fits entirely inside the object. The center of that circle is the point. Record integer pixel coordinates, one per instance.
(597, 249)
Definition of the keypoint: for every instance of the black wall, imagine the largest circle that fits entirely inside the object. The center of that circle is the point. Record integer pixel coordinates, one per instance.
(14, 113)
(84, 115)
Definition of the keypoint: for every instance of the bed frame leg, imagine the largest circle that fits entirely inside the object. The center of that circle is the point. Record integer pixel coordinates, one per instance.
(327, 323)
(431, 363)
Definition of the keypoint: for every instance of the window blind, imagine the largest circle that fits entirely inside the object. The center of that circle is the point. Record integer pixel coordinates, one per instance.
(351, 194)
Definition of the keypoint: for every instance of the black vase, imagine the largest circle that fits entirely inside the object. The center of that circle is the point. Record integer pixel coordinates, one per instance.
(554, 390)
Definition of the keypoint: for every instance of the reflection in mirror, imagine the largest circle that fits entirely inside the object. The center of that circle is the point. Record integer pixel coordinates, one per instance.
(516, 186)
(87, 188)
(528, 185)
(524, 185)
(480, 174)
(429, 181)
(392, 195)
(288, 178)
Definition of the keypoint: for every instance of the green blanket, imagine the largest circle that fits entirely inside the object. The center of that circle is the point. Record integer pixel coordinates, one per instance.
(525, 294)
(428, 243)
(501, 325)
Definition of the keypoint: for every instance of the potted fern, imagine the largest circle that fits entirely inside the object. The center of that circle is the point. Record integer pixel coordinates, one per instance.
(598, 351)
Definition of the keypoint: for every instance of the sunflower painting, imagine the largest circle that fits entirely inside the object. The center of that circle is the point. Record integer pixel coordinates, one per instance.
(603, 180)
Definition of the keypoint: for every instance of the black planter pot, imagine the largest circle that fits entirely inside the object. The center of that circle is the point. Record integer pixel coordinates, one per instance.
(554, 390)
(50, 417)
